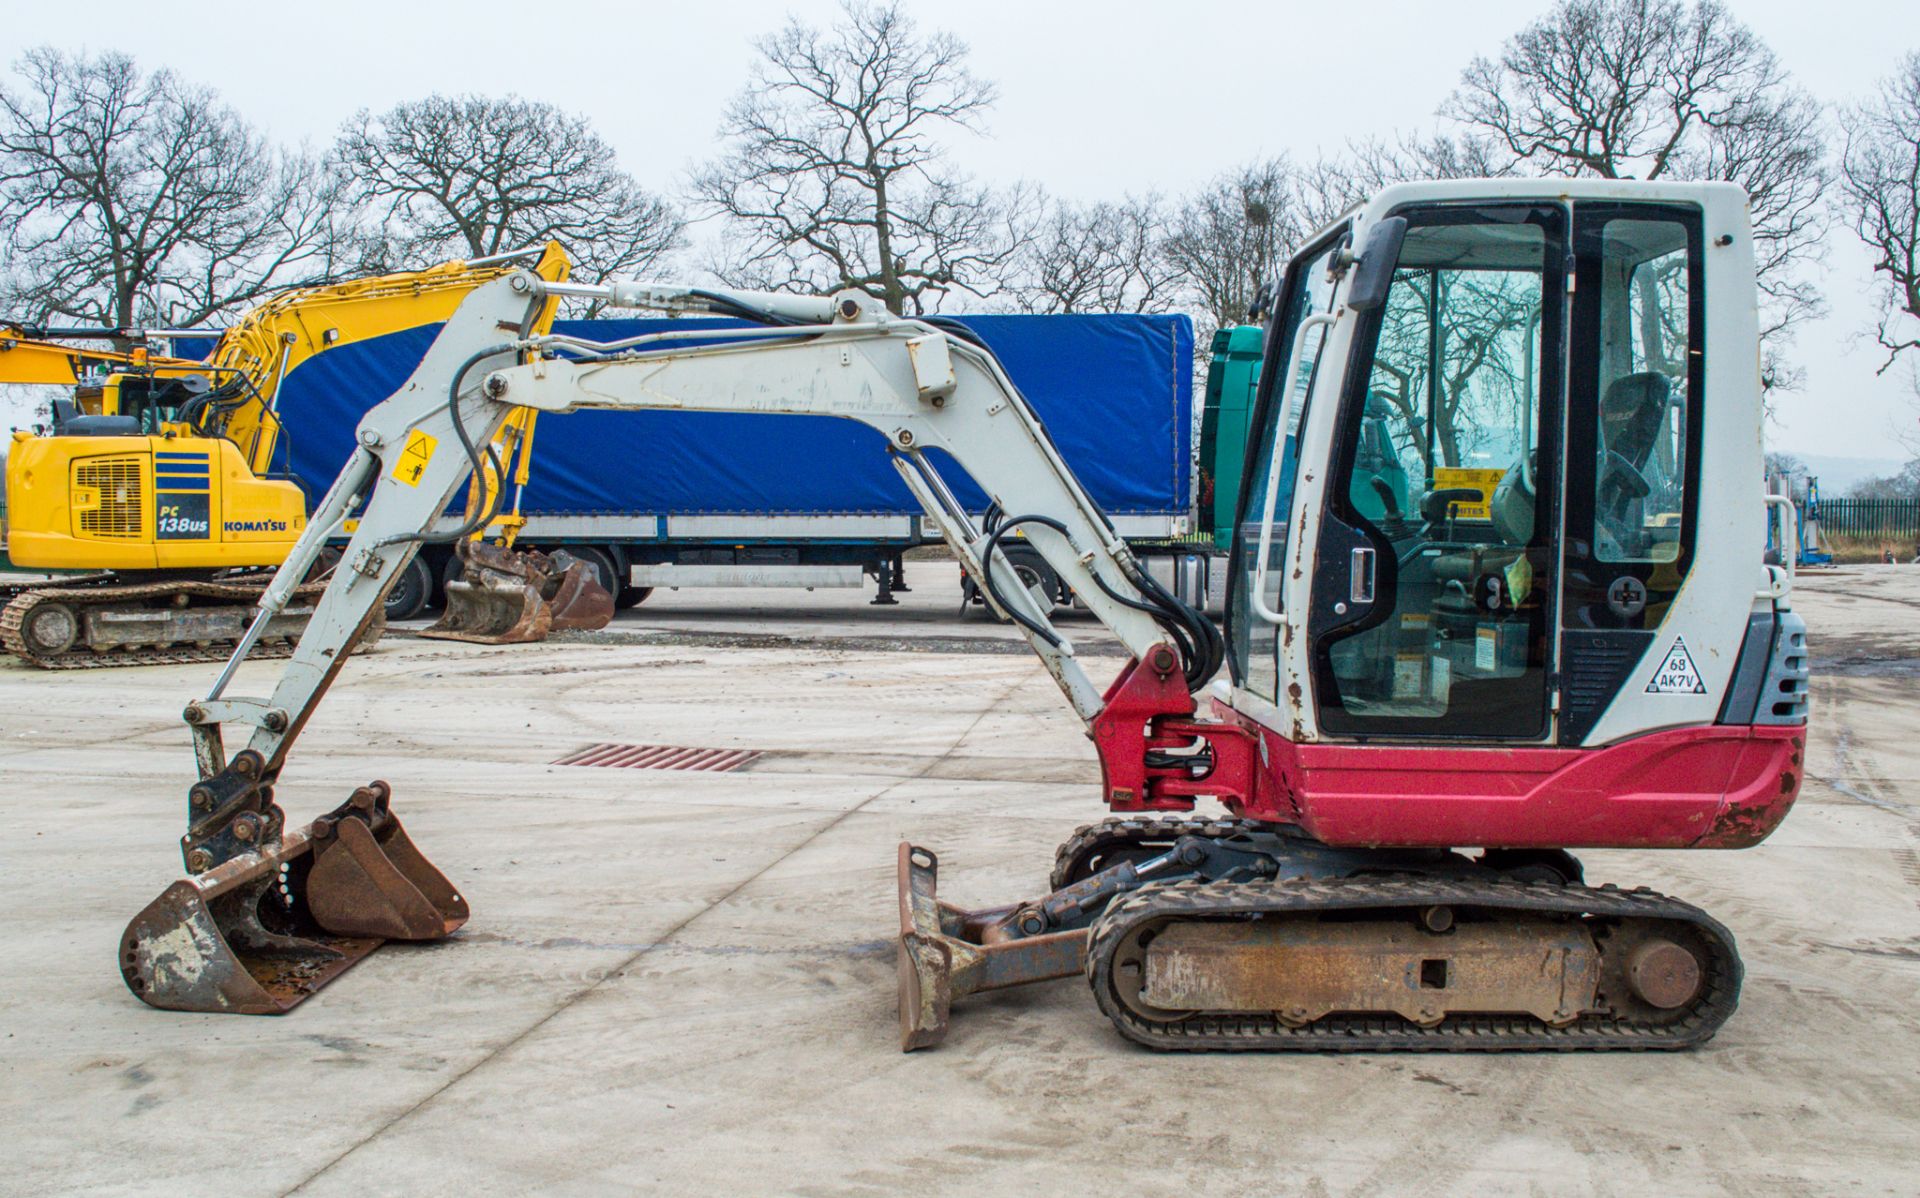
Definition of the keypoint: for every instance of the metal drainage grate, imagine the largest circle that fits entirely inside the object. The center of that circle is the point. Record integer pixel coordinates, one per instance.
(660, 757)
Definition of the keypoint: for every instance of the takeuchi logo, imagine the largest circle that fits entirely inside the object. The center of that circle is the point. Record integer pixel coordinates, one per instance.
(256, 526)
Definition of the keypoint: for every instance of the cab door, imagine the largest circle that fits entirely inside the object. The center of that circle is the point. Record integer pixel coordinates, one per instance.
(1435, 578)
(1295, 335)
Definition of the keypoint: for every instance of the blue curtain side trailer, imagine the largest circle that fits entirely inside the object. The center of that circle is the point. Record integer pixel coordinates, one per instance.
(701, 499)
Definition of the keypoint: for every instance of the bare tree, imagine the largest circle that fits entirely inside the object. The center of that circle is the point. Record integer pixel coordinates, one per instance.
(1902, 484)
(1334, 183)
(1786, 465)
(1657, 89)
(1880, 188)
(476, 176)
(1101, 257)
(835, 178)
(133, 199)
(1233, 235)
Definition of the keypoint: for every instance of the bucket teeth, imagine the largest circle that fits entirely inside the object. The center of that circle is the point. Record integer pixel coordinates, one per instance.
(261, 932)
(510, 597)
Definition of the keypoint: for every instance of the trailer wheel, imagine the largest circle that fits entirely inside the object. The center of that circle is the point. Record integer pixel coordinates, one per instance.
(1034, 574)
(631, 596)
(450, 571)
(410, 591)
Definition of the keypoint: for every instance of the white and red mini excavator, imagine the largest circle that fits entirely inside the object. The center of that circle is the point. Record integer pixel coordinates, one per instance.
(1498, 593)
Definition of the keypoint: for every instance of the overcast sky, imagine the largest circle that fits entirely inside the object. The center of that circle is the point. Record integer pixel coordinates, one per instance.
(1096, 98)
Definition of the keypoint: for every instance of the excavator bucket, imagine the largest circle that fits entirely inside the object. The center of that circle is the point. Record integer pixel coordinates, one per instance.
(510, 597)
(577, 600)
(947, 953)
(262, 932)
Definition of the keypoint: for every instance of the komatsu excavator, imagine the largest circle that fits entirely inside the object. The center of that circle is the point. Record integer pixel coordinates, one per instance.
(1435, 690)
(158, 482)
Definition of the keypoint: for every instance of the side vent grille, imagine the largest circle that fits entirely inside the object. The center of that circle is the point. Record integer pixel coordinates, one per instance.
(1592, 667)
(1783, 697)
(121, 504)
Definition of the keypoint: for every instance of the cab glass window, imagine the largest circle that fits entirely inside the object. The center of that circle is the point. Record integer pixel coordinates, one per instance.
(1271, 475)
(1441, 520)
(1644, 362)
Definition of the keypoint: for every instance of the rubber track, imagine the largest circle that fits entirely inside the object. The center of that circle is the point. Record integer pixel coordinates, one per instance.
(1118, 830)
(25, 599)
(1247, 1031)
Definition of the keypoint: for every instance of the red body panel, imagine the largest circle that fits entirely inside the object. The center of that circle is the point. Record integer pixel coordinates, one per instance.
(1710, 786)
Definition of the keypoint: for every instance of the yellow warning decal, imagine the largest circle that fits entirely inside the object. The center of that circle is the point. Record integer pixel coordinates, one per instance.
(1447, 478)
(414, 458)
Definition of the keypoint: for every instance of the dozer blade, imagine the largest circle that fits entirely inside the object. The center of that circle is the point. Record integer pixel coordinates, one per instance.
(947, 953)
(262, 932)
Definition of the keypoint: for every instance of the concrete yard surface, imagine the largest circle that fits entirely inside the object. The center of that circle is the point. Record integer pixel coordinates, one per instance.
(683, 983)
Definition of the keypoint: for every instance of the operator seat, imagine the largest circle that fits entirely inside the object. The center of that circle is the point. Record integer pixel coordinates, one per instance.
(1473, 576)
(69, 422)
(1632, 412)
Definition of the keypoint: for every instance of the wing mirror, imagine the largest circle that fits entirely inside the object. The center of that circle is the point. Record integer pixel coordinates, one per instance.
(1373, 271)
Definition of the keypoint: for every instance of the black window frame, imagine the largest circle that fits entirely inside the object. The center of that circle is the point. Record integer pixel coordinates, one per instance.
(1586, 576)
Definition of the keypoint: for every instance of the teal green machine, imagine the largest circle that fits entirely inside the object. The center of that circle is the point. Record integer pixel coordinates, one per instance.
(1233, 370)
(1233, 373)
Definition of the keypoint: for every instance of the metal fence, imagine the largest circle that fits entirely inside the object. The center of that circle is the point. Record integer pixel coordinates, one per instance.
(1870, 517)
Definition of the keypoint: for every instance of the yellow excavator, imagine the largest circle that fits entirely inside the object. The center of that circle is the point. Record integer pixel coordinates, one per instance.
(156, 482)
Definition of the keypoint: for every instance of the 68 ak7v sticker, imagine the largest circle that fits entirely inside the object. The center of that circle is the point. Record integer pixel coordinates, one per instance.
(1677, 675)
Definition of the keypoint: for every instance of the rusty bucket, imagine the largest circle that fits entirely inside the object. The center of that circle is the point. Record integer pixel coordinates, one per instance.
(511, 597)
(261, 932)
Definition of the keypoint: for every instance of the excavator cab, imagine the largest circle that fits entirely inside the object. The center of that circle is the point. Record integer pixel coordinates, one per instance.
(1522, 512)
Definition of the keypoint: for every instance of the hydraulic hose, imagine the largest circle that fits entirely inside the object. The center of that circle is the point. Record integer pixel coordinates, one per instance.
(986, 574)
(485, 516)
(1201, 645)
